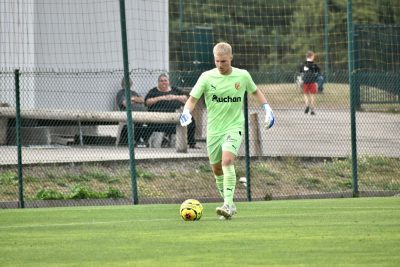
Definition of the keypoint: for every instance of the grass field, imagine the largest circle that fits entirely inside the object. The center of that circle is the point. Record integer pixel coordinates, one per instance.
(288, 96)
(335, 96)
(330, 232)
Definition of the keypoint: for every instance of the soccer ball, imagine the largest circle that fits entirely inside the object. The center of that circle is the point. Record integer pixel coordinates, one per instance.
(191, 210)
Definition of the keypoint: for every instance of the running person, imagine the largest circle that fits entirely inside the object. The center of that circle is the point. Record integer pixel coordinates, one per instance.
(223, 89)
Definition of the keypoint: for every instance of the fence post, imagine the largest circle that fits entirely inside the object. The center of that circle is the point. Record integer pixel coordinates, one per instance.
(353, 98)
(128, 103)
(21, 202)
(326, 40)
(247, 147)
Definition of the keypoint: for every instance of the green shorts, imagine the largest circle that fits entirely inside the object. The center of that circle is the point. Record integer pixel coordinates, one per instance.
(228, 142)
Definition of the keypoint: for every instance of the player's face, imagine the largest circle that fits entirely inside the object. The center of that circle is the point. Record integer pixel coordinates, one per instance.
(223, 63)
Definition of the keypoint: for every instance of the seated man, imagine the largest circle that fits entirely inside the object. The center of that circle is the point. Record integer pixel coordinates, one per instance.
(141, 131)
(164, 98)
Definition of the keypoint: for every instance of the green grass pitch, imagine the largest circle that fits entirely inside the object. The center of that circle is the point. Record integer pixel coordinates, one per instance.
(330, 232)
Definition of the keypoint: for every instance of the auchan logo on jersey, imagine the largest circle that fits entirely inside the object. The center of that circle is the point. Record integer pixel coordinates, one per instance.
(226, 99)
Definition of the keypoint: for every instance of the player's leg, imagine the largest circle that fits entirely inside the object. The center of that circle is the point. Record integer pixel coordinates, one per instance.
(313, 91)
(307, 102)
(214, 149)
(320, 82)
(312, 96)
(230, 148)
(219, 178)
(306, 97)
(215, 156)
(229, 176)
(229, 208)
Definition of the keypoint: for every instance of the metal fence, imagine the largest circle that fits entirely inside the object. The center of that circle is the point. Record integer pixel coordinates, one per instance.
(377, 78)
(72, 162)
(64, 139)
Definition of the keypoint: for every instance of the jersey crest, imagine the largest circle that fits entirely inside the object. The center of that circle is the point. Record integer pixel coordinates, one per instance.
(237, 86)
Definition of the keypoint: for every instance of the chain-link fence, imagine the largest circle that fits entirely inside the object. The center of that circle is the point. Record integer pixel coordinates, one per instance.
(64, 136)
(66, 161)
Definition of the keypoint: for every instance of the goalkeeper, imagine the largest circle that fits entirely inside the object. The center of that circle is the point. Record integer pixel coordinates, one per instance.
(223, 89)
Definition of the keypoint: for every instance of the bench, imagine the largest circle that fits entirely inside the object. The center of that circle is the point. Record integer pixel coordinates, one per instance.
(98, 118)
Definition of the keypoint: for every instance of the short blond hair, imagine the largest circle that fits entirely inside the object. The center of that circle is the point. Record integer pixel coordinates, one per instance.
(222, 48)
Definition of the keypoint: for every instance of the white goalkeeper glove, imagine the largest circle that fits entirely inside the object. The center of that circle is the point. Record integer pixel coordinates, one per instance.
(269, 116)
(186, 118)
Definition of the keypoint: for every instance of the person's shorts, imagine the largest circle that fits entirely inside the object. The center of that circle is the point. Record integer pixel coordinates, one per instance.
(229, 142)
(310, 88)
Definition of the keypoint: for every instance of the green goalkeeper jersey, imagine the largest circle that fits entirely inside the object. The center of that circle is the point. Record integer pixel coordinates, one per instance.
(224, 96)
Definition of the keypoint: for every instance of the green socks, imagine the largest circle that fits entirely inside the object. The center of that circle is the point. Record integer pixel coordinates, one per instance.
(219, 180)
(226, 183)
(229, 183)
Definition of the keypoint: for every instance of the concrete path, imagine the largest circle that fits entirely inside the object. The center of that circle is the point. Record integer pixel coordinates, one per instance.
(327, 134)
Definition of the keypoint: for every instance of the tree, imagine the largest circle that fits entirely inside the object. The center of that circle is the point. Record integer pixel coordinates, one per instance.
(274, 35)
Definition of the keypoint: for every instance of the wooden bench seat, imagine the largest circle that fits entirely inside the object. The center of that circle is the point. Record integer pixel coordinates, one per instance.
(98, 118)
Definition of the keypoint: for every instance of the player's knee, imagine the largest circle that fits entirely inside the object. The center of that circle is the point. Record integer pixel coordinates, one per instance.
(227, 161)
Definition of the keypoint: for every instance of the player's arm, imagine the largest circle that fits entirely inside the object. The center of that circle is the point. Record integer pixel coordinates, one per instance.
(195, 94)
(259, 96)
(186, 116)
(269, 114)
(190, 104)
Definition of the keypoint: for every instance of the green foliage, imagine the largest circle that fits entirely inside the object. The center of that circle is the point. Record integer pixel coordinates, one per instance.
(284, 176)
(8, 178)
(392, 186)
(309, 182)
(150, 191)
(272, 35)
(266, 170)
(204, 168)
(338, 168)
(173, 174)
(78, 191)
(88, 176)
(49, 194)
(344, 184)
(98, 175)
(114, 193)
(271, 177)
(144, 174)
(76, 177)
(268, 197)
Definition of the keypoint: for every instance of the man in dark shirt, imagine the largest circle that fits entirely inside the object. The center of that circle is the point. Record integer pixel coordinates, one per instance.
(141, 130)
(164, 98)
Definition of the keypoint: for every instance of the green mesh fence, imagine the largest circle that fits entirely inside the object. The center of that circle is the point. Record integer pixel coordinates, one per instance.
(74, 140)
(377, 66)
